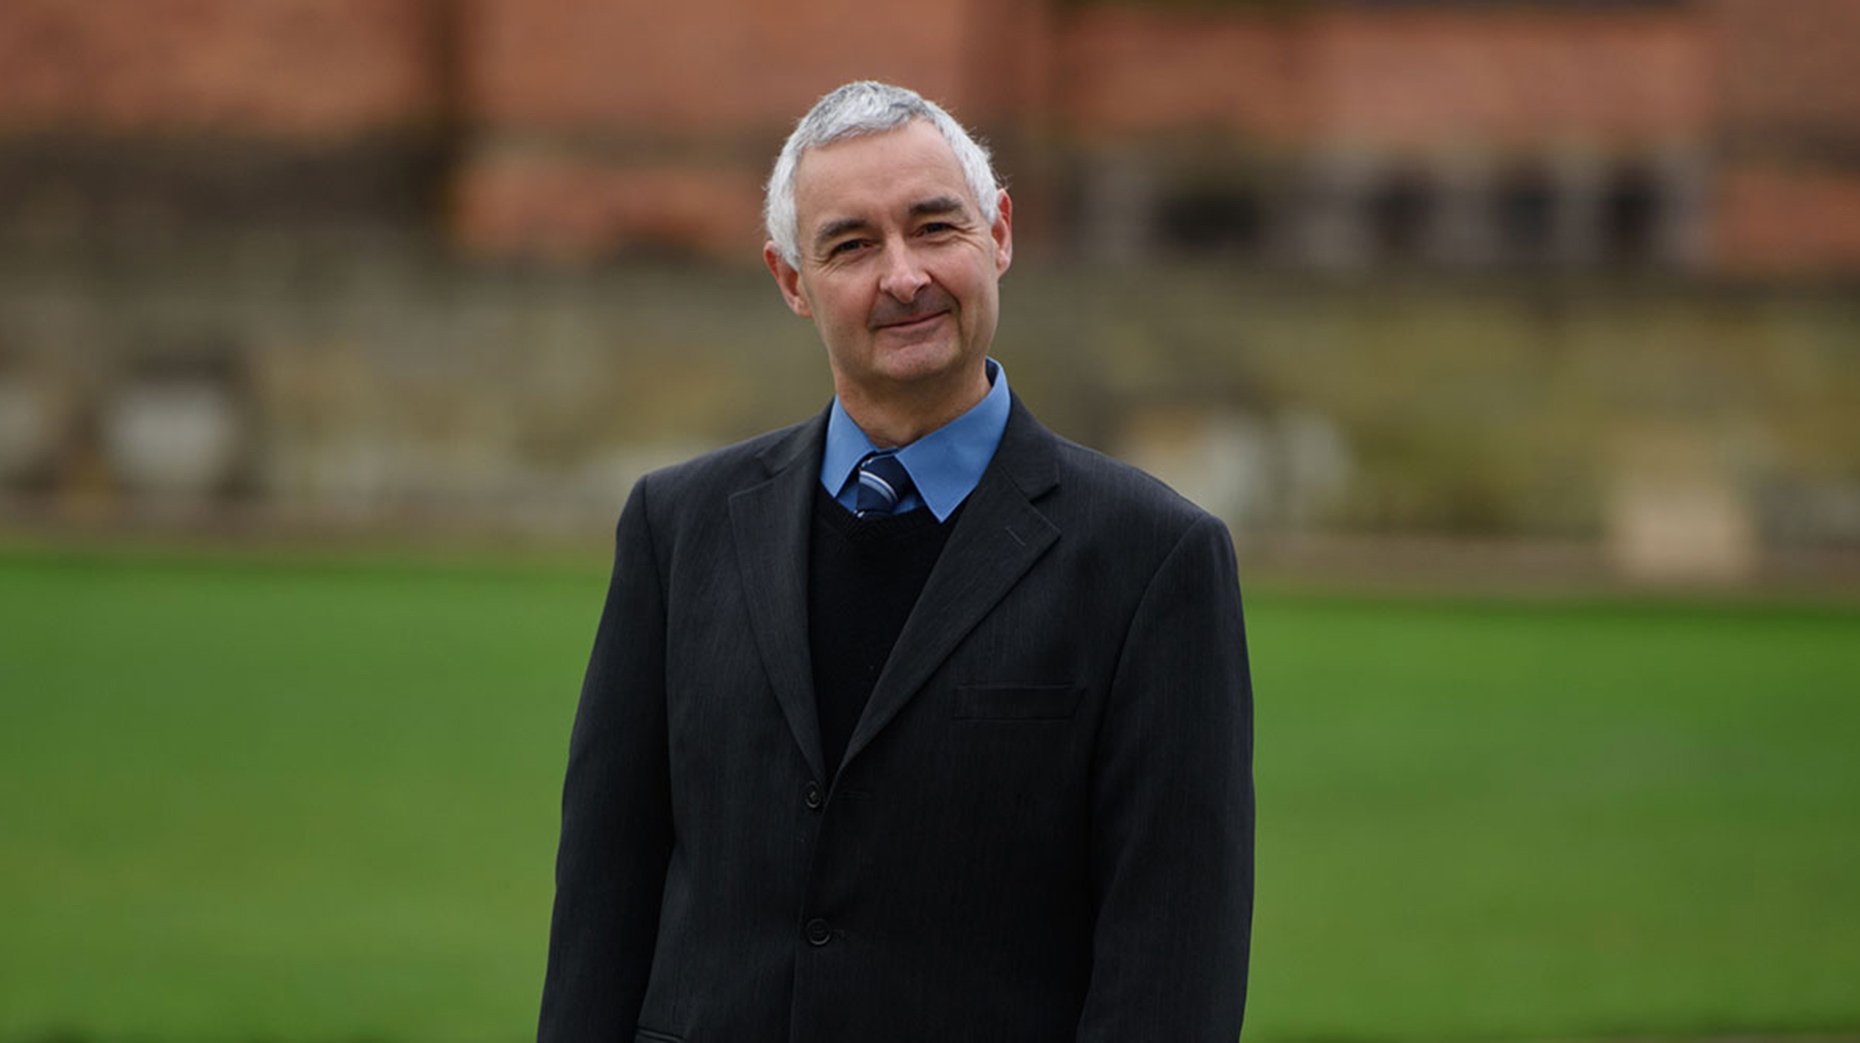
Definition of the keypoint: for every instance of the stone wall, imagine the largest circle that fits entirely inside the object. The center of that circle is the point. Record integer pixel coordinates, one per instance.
(391, 387)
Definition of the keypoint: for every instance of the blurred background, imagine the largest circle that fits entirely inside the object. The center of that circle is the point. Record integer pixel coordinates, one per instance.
(1516, 340)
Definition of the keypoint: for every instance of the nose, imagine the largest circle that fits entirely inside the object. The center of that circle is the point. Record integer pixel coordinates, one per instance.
(902, 275)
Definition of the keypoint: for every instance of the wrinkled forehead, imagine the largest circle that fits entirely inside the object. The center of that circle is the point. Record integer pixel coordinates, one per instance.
(875, 174)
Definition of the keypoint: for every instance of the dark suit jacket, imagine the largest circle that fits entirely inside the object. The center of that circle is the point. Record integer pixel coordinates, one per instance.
(1042, 828)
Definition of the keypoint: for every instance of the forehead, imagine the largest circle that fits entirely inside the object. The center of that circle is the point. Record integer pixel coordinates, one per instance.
(875, 174)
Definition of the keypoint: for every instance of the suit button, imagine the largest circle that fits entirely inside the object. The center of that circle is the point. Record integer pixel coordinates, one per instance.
(814, 797)
(818, 933)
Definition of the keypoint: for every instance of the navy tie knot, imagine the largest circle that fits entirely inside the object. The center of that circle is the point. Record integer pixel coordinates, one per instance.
(883, 482)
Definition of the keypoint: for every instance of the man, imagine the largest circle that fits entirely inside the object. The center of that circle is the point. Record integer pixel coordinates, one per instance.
(913, 721)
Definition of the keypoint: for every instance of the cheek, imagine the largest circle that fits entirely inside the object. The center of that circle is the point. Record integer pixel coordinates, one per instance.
(846, 306)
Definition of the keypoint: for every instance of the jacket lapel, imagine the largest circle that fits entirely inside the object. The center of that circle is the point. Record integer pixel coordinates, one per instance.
(770, 522)
(997, 539)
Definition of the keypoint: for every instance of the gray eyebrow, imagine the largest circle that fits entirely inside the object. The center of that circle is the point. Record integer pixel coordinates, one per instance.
(933, 206)
(938, 205)
(835, 229)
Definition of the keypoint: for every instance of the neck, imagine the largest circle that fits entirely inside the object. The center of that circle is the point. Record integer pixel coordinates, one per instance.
(900, 417)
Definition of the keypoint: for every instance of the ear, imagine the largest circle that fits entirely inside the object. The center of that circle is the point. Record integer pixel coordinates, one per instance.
(787, 279)
(1003, 233)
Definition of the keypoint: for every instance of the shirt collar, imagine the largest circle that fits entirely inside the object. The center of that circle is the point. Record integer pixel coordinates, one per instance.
(945, 465)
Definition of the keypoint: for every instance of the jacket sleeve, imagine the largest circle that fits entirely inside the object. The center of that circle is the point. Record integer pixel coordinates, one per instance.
(1172, 817)
(616, 809)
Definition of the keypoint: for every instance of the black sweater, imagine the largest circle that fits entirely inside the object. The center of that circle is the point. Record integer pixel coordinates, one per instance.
(863, 577)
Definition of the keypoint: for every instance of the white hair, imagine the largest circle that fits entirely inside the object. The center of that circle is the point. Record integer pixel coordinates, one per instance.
(853, 111)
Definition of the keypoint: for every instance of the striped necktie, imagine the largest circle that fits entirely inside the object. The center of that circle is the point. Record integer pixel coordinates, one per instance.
(883, 481)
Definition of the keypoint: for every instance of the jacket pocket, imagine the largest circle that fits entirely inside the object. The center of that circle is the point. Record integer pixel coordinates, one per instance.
(646, 1035)
(1017, 702)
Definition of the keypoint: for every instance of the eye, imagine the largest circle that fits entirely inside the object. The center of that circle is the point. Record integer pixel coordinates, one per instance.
(845, 246)
(937, 228)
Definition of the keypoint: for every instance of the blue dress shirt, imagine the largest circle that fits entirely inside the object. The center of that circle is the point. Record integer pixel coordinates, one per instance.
(944, 465)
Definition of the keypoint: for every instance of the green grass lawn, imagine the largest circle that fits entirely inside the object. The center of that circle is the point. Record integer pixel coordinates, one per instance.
(314, 801)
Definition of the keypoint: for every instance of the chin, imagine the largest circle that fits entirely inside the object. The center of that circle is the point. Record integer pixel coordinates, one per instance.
(913, 363)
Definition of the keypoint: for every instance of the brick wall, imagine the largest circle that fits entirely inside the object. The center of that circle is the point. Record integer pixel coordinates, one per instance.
(1791, 72)
(1774, 219)
(1789, 198)
(1511, 77)
(1410, 78)
(1129, 71)
(585, 129)
(607, 127)
(572, 209)
(642, 67)
(292, 68)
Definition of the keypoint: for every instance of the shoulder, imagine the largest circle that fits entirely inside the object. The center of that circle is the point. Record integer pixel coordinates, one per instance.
(1116, 483)
(1112, 499)
(1136, 541)
(703, 484)
(727, 465)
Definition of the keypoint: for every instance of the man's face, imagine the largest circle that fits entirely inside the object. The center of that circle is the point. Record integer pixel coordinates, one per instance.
(898, 266)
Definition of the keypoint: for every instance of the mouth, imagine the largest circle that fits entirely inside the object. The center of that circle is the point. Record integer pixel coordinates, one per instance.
(919, 322)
